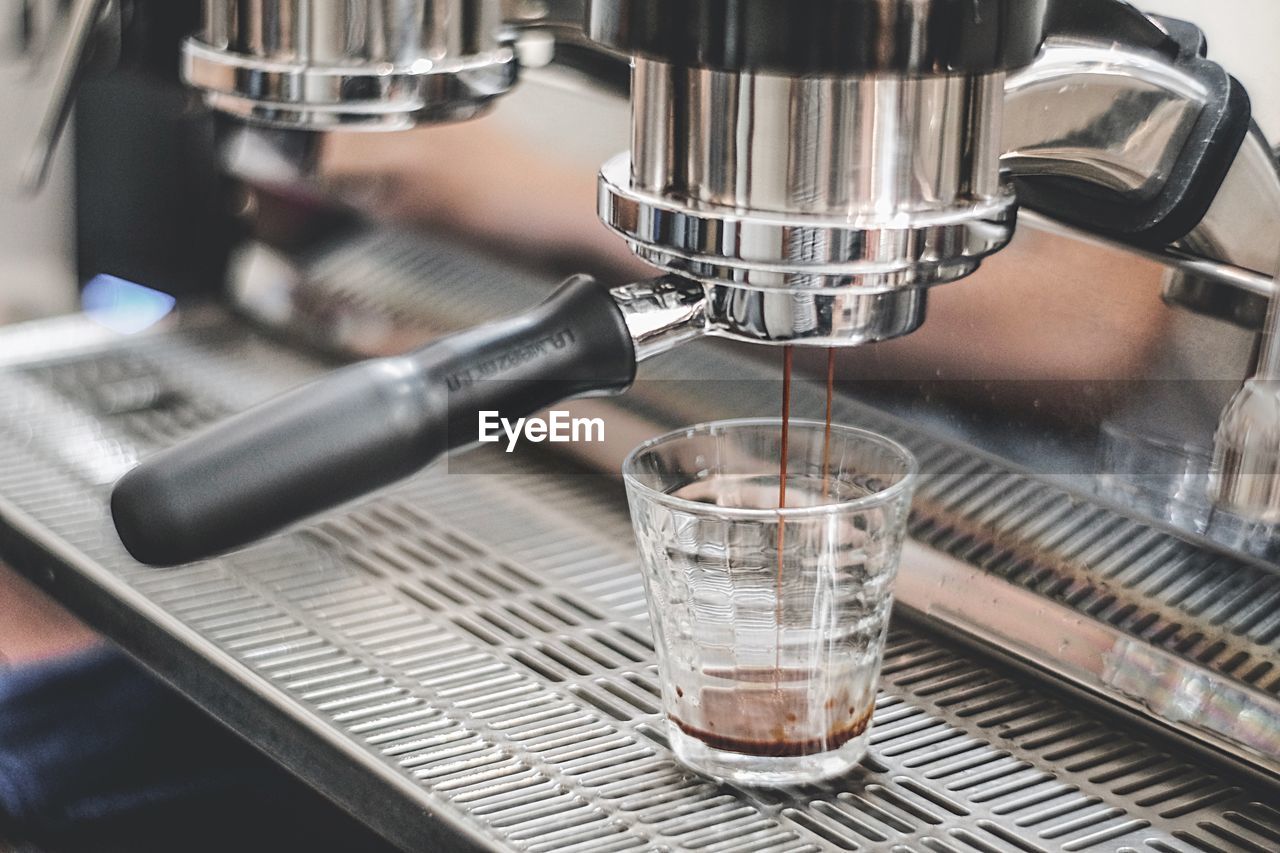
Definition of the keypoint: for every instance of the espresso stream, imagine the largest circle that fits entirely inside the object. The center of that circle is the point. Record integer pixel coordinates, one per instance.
(753, 721)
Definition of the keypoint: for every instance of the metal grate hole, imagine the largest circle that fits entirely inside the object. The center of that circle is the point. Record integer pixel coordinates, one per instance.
(1039, 794)
(850, 822)
(622, 650)
(1268, 833)
(1238, 841)
(535, 623)
(582, 609)
(519, 575)
(506, 626)
(930, 796)
(480, 633)
(596, 701)
(413, 646)
(454, 670)
(1008, 777)
(1174, 786)
(641, 640)
(1197, 843)
(904, 806)
(592, 653)
(513, 703)
(598, 839)
(1103, 836)
(496, 700)
(537, 730)
(494, 579)
(410, 728)
(1011, 840)
(589, 765)
(967, 752)
(563, 659)
(543, 720)
(443, 593)
(734, 834)
(439, 739)
(982, 845)
(891, 819)
(497, 789)
(939, 846)
(478, 592)
(564, 616)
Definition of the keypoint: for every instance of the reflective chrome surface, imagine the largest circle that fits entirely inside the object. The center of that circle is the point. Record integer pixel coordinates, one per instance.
(1242, 226)
(268, 156)
(807, 204)
(1119, 119)
(1114, 117)
(662, 313)
(819, 318)
(1241, 230)
(383, 65)
(1111, 117)
(667, 312)
(768, 250)
(870, 150)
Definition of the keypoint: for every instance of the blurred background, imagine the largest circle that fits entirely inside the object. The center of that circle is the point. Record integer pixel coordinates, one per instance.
(124, 164)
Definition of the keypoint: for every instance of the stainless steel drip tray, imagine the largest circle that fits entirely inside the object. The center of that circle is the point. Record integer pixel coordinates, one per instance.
(465, 660)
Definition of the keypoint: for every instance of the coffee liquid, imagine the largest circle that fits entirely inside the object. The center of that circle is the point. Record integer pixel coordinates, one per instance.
(752, 721)
(788, 358)
(764, 722)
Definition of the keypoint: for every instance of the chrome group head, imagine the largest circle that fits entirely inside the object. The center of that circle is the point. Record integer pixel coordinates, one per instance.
(373, 64)
(817, 172)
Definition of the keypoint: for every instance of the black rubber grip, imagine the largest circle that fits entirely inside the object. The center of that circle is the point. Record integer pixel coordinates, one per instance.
(367, 426)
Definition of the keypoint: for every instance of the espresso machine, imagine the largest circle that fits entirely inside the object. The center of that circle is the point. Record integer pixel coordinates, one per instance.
(793, 191)
(799, 175)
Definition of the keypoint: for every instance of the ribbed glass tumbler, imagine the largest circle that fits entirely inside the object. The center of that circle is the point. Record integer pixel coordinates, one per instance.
(769, 612)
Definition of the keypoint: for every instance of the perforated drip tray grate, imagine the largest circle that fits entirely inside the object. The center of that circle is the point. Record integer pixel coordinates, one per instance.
(466, 658)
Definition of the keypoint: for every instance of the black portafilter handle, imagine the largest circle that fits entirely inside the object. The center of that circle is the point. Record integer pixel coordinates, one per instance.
(367, 426)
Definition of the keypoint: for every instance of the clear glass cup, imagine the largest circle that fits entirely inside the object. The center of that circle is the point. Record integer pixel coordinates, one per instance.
(769, 623)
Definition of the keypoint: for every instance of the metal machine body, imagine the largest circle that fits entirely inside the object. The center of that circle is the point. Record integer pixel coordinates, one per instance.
(815, 192)
(319, 65)
(817, 203)
(463, 648)
(797, 185)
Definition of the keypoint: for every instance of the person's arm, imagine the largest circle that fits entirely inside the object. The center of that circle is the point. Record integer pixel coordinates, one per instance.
(33, 627)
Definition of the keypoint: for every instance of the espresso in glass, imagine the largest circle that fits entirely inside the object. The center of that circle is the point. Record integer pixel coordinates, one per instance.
(769, 621)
